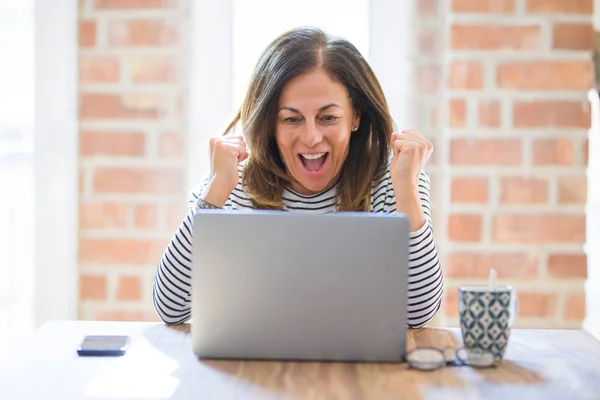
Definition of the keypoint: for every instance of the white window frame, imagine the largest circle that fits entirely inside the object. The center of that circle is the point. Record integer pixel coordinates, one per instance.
(56, 159)
(211, 71)
(592, 319)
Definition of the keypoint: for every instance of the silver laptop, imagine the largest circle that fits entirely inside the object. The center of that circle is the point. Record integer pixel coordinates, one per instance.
(274, 285)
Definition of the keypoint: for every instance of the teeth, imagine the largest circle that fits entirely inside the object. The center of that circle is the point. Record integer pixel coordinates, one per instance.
(313, 156)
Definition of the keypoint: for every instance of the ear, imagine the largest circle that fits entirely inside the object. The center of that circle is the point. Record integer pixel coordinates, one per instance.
(356, 120)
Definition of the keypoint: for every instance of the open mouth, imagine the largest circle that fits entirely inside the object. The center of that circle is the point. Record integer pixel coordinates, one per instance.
(313, 162)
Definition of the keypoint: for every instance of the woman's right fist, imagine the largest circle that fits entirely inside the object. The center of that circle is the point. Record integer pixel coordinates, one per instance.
(225, 153)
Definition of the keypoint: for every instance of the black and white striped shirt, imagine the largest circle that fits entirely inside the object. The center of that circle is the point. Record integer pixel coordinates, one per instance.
(172, 283)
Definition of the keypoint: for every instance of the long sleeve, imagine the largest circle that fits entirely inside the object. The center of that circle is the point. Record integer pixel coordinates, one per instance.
(172, 288)
(173, 280)
(425, 278)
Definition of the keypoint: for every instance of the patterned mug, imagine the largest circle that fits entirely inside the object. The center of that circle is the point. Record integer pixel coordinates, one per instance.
(486, 317)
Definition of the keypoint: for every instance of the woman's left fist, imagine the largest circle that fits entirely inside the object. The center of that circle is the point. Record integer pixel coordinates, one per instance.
(411, 152)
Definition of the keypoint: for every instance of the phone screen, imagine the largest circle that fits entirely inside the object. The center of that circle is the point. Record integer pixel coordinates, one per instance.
(103, 345)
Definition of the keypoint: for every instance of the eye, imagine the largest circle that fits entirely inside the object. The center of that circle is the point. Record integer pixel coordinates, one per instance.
(330, 118)
(291, 120)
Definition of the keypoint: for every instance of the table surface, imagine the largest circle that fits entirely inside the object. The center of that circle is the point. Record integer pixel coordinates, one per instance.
(539, 364)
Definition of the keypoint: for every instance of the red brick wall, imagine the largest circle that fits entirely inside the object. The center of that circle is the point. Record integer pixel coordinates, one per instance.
(132, 146)
(515, 87)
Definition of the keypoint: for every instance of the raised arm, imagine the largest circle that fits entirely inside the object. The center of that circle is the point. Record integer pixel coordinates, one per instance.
(173, 279)
(425, 278)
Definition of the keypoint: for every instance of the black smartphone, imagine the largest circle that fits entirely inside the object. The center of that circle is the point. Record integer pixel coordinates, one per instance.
(103, 345)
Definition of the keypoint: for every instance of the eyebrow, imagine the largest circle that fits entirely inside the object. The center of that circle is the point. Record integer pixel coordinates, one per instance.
(320, 109)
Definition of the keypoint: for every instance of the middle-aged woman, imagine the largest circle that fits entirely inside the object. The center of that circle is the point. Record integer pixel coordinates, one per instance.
(317, 137)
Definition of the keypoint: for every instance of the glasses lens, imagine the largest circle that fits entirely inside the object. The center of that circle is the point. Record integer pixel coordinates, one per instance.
(426, 359)
(475, 358)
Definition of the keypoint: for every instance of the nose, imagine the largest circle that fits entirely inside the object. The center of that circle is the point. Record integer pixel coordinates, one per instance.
(311, 135)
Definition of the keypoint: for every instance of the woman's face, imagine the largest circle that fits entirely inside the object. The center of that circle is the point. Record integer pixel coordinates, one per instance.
(314, 122)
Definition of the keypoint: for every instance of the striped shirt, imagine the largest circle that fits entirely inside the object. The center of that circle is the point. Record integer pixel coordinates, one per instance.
(172, 282)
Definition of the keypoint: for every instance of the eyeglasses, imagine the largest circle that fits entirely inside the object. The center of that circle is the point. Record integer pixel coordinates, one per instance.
(432, 358)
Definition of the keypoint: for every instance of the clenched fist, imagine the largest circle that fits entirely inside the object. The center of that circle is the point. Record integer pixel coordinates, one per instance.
(225, 153)
(411, 152)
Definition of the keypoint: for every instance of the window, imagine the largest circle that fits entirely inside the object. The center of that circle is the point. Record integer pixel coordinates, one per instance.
(256, 23)
(16, 169)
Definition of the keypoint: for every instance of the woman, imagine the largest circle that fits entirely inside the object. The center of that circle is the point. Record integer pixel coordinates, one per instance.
(317, 138)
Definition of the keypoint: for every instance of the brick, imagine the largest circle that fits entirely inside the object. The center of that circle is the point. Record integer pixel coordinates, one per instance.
(551, 113)
(428, 41)
(466, 75)
(98, 69)
(477, 265)
(560, 151)
(585, 150)
(560, 6)
(81, 180)
(573, 36)
(104, 143)
(465, 227)
(567, 266)
(457, 109)
(451, 302)
(495, 37)
(174, 215)
(489, 113)
(133, 4)
(121, 251)
(515, 190)
(572, 189)
(427, 7)
(575, 307)
(485, 152)
(142, 32)
(539, 228)
(433, 118)
(145, 216)
(138, 180)
(153, 69)
(112, 106)
(545, 75)
(171, 145)
(129, 288)
(537, 304)
(99, 215)
(137, 316)
(92, 287)
(483, 6)
(87, 33)
(428, 79)
(469, 190)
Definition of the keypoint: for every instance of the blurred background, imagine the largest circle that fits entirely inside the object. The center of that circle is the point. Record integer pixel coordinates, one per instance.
(106, 107)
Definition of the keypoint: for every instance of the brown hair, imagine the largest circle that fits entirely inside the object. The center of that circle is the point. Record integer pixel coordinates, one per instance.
(293, 53)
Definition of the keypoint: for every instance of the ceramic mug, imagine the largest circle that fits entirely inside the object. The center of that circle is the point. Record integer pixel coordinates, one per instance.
(486, 317)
